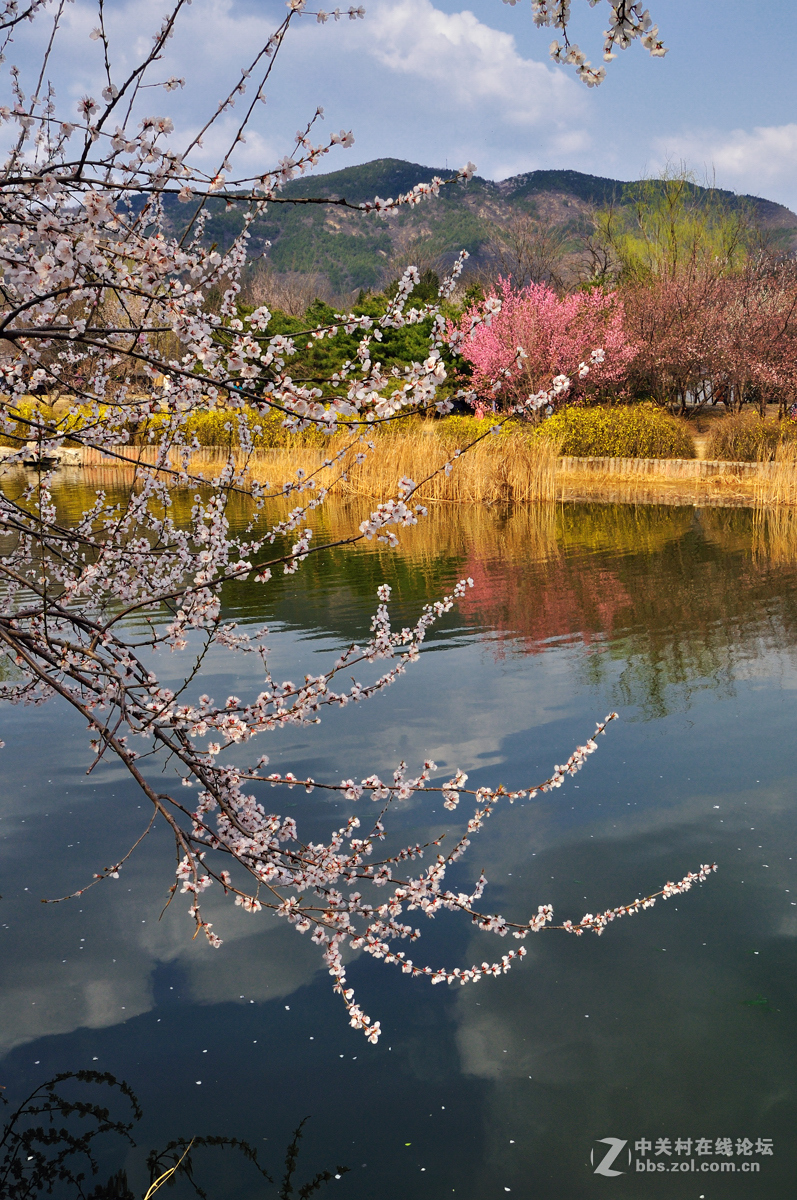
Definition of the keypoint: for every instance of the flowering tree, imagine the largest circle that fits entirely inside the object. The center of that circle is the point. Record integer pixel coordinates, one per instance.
(708, 301)
(759, 334)
(98, 296)
(704, 334)
(579, 341)
(679, 323)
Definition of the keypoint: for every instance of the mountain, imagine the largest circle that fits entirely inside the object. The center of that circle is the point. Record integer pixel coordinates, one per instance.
(354, 250)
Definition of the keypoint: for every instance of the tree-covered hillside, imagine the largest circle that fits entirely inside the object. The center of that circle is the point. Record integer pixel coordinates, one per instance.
(353, 250)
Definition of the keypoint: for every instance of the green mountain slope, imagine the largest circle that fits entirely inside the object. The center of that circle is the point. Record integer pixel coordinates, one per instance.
(354, 250)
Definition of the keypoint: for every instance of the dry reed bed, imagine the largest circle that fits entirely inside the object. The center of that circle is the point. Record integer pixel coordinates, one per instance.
(776, 484)
(503, 469)
(540, 530)
(499, 469)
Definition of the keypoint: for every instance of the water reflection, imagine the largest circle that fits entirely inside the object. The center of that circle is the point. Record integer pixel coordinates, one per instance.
(58, 1138)
(678, 1024)
(52, 1137)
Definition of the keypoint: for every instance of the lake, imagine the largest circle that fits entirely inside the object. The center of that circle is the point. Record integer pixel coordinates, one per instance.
(671, 1033)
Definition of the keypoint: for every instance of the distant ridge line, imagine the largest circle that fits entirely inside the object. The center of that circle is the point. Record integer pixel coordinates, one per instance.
(391, 176)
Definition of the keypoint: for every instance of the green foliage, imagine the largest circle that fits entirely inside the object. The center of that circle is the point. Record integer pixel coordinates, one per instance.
(320, 358)
(636, 431)
(666, 225)
(315, 359)
(382, 176)
(745, 437)
(350, 248)
(593, 189)
(453, 229)
(474, 294)
(302, 242)
(425, 291)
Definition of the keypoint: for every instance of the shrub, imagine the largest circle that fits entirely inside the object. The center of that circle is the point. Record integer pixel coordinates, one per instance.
(216, 427)
(557, 335)
(745, 437)
(636, 431)
(19, 430)
(463, 429)
(35, 409)
(219, 427)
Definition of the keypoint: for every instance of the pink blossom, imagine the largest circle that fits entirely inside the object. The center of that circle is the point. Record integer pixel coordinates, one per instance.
(555, 335)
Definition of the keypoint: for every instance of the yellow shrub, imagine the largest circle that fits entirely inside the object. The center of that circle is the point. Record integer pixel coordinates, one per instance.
(633, 431)
(744, 437)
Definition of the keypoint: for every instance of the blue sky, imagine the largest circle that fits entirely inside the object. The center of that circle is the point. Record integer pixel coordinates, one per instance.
(435, 82)
(723, 98)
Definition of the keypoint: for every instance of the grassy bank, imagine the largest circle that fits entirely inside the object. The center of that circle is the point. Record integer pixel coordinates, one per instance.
(500, 469)
(634, 431)
(747, 437)
(635, 454)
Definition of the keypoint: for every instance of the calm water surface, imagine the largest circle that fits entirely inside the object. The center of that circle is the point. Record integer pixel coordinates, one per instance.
(678, 1024)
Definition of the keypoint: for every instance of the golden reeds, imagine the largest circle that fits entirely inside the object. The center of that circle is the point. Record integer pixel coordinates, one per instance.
(537, 531)
(509, 468)
(775, 516)
(776, 484)
(499, 469)
(775, 534)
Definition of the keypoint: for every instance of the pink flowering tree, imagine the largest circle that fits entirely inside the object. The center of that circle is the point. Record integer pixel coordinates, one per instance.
(100, 301)
(536, 336)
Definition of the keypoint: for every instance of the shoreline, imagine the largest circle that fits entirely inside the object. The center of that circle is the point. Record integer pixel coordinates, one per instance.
(684, 482)
(687, 482)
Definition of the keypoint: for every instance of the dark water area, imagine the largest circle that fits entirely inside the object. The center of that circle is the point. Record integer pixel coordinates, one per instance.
(672, 1032)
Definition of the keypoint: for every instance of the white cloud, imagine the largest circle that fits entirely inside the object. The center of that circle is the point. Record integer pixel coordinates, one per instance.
(473, 65)
(411, 81)
(446, 86)
(96, 969)
(100, 974)
(761, 161)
